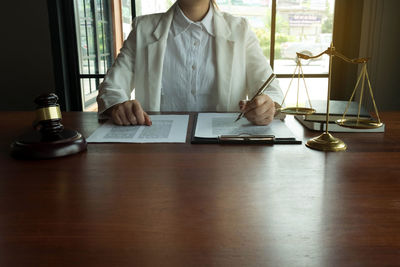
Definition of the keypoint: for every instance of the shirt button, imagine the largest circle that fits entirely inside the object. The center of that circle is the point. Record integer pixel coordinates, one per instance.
(193, 67)
(196, 43)
(193, 91)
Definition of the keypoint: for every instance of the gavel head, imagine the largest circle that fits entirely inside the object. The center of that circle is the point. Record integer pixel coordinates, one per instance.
(48, 116)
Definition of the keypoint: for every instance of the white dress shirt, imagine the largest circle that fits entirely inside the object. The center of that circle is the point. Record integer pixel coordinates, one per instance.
(188, 75)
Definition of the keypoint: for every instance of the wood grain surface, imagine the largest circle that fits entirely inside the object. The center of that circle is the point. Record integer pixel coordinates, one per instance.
(202, 205)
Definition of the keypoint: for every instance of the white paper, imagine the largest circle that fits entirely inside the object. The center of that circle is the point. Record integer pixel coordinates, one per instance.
(212, 125)
(165, 129)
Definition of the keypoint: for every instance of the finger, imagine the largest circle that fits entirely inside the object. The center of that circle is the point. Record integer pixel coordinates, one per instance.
(257, 113)
(242, 104)
(263, 105)
(261, 115)
(256, 102)
(115, 117)
(139, 113)
(270, 109)
(147, 119)
(268, 115)
(129, 113)
(122, 115)
(132, 119)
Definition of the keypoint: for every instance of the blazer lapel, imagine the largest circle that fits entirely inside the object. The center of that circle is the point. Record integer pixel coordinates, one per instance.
(155, 59)
(225, 48)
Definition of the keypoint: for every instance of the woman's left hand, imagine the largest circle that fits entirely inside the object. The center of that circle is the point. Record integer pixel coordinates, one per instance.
(260, 111)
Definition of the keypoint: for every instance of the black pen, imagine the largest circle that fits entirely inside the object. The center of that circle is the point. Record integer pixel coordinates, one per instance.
(259, 92)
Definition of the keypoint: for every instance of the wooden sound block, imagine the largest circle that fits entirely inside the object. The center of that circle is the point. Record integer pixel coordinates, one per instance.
(34, 145)
(48, 139)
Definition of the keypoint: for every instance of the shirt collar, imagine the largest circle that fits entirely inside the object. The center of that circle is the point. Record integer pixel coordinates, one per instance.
(181, 23)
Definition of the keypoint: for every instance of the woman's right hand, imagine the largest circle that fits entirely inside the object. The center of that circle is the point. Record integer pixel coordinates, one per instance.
(130, 113)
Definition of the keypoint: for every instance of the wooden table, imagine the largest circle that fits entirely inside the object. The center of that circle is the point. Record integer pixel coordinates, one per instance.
(202, 205)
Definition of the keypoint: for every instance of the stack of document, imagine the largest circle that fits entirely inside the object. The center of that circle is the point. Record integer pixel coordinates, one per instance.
(317, 120)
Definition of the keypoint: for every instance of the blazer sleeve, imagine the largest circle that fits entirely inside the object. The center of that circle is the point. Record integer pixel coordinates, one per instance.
(258, 69)
(119, 81)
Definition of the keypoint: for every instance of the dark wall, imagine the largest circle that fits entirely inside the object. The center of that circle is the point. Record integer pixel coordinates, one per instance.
(346, 39)
(26, 60)
(385, 69)
(381, 46)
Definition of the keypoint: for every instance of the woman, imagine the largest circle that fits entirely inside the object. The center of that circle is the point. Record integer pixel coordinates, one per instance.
(191, 58)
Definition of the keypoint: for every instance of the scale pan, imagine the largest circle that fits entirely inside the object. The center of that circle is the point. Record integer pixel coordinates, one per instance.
(359, 124)
(297, 111)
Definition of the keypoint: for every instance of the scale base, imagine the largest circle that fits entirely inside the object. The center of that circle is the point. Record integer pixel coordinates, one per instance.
(326, 142)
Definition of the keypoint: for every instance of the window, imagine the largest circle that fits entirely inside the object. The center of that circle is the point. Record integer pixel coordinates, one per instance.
(95, 45)
(305, 27)
(97, 36)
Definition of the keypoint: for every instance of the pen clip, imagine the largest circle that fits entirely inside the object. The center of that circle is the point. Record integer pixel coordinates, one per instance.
(246, 139)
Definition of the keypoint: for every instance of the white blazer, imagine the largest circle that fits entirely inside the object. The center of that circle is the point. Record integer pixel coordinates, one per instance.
(241, 66)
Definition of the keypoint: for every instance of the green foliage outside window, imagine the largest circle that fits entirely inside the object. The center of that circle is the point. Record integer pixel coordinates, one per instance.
(265, 41)
(281, 36)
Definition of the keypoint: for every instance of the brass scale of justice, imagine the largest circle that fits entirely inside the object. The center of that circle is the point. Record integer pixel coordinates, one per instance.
(326, 141)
